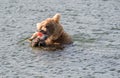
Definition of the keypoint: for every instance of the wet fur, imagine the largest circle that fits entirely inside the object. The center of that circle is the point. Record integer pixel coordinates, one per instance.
(57, 35)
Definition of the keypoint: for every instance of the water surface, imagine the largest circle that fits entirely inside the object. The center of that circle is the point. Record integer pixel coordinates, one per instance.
(93, 24)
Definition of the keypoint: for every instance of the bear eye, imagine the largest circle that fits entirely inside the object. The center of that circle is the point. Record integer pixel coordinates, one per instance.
(47, 26)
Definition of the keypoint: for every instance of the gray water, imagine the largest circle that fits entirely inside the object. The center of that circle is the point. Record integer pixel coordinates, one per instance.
(93, 24)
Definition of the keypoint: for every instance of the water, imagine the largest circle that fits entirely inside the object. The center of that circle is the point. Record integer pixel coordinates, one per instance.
(93, 24)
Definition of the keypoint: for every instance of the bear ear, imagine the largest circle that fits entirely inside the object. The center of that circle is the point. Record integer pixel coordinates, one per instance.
(56, 18)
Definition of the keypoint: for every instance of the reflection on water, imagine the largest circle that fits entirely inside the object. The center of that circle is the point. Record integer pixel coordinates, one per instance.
(81, 38)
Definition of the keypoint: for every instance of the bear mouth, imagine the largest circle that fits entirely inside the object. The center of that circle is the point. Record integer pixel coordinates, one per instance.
(42, 31)
(45, 32)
